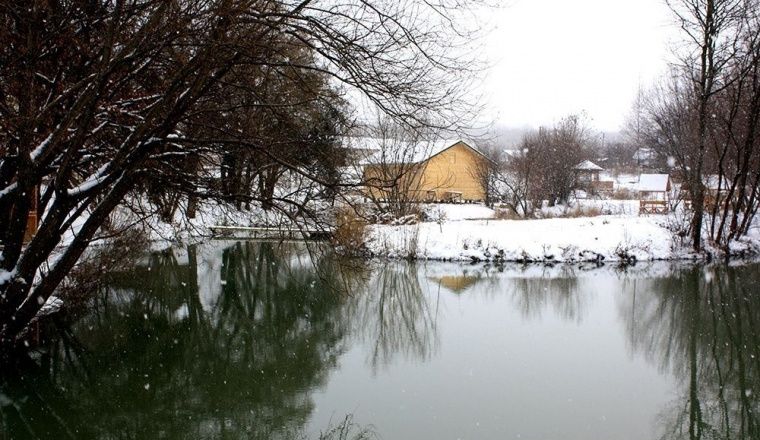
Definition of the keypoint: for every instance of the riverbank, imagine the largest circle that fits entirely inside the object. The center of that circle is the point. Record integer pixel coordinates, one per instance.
(472, 233)
(601, 238)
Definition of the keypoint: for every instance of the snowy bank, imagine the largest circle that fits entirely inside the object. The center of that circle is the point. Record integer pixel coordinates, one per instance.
(603, 238)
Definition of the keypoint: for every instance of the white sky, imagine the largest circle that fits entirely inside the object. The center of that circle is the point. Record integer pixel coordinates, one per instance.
(551, 58)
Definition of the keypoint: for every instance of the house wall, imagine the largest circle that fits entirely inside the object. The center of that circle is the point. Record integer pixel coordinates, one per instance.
(388, 180)
(452, 170)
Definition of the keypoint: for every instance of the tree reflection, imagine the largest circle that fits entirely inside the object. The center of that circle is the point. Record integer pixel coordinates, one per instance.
(208, 343)
(394, 316)
(704, 325)
(533, 294)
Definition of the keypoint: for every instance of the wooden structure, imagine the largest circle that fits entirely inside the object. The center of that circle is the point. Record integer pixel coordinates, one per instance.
(654, 193)
(256, 232)
(587, 172)
(32, 218)
(446, 172)
(606, 187)
(588, 178)
(716, 190)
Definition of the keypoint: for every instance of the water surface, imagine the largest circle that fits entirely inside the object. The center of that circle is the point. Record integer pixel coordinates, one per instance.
(258, 340)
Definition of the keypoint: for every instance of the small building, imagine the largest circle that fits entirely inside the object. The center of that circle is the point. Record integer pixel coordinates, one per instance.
(588, 178)
(587, 172)
(654, 193)
(446, 171)
(716, 189)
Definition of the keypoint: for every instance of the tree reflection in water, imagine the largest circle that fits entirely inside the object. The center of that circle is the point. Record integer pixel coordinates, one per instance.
(167, 358)
(394, 316)
(559, 289)
(704, 325)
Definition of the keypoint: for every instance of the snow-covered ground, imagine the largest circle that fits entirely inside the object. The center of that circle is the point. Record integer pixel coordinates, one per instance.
(448, 211)
(452, 212)
(561, 239)
(471, 232)
(623, 237)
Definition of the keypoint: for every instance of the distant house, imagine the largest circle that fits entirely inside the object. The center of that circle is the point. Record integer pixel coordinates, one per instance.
(716, 190)
(645, 157)
(654, 193)
(446, 171)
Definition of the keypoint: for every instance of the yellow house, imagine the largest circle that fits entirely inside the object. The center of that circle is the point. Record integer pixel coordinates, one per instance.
(450, 171)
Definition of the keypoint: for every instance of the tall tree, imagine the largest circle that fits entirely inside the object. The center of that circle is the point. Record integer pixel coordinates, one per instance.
(95, 96)
(711, 28)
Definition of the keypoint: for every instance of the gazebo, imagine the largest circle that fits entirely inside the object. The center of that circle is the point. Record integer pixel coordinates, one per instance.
(654, 193)
(587, 172)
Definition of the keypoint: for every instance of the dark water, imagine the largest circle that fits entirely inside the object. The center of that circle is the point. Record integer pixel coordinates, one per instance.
(253, 341)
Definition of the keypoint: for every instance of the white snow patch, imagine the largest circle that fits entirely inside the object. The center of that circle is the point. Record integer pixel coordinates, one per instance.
(604, 238)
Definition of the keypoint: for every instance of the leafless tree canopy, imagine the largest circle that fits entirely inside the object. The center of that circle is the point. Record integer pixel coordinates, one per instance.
(543, 168)
(109, 100)
(705, 117)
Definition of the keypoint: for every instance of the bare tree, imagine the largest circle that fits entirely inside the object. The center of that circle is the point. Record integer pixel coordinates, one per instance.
(734, 141)
(393, 172)
(488, 173)
(552, 154)
(712, 29)
(96, 97)
(514, 180)
(704, 117)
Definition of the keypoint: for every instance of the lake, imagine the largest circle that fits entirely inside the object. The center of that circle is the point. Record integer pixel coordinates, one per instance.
(258, 340)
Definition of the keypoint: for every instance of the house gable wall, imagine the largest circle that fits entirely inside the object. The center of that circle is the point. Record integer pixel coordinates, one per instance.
(453, 170)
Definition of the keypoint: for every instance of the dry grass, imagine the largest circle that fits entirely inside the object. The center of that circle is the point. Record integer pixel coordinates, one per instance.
(506, 214)
(350, 233)
(575, 212)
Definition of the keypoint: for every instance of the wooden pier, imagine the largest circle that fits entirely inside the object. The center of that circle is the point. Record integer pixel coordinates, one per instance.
(264, 232)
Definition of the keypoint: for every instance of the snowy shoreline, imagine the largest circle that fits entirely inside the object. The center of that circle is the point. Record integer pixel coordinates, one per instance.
(559, 240)
(469, 233)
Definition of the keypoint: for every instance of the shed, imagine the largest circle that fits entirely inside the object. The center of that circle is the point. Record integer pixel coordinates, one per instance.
(654, 193)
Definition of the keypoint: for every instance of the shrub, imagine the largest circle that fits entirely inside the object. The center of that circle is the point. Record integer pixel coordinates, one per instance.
(119, 252)
(574, 212)
(624, 194)
(506, 214)
(350, 235)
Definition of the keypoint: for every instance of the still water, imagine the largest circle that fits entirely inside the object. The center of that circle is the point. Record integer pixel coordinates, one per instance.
(253, 340)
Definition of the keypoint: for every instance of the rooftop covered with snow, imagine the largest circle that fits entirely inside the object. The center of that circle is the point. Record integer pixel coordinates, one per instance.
(654, 183)
(587, 165)
(400, 151)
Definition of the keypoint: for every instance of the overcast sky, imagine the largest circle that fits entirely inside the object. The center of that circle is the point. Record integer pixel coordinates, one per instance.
(556, 57)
